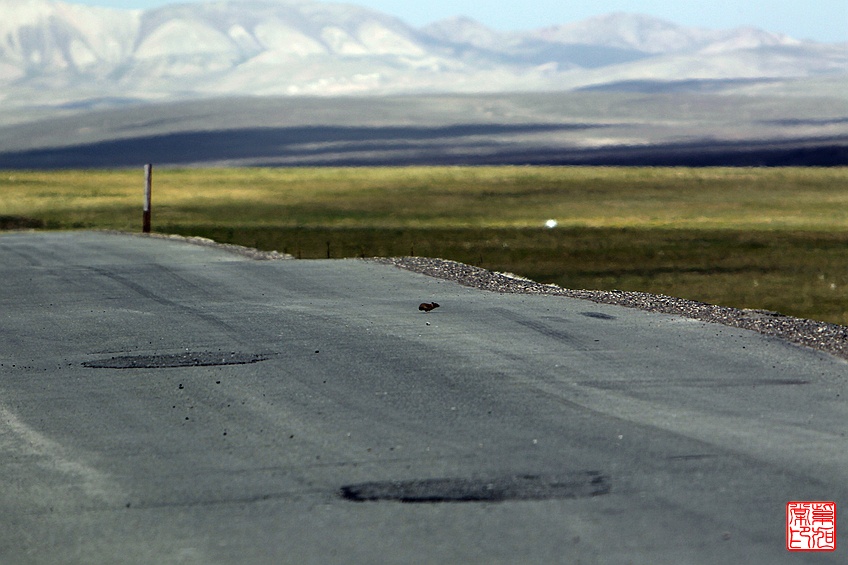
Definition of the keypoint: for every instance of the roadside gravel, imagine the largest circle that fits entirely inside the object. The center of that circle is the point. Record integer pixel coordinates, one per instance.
(206, 242)
(822, 336)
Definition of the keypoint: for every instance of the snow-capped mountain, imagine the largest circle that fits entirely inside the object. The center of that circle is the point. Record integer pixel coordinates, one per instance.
(40, 37)
(54, 52)
(651, 35)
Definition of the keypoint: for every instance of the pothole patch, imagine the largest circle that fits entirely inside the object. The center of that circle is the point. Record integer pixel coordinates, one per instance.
(581, 484)
(187, 359)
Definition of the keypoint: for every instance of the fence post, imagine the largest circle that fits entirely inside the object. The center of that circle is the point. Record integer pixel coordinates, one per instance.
(148, 189)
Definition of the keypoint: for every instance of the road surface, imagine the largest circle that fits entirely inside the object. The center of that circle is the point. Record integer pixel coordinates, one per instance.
(164, 402)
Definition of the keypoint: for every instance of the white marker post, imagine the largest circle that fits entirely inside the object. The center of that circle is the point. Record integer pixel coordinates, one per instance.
(148, 189)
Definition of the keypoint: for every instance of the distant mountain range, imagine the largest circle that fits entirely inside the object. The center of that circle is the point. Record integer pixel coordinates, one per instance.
(56, 53)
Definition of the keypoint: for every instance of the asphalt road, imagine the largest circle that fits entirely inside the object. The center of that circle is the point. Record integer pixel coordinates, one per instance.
(163, 402)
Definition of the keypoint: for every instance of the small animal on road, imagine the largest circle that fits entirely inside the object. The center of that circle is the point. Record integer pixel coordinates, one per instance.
(427, 306)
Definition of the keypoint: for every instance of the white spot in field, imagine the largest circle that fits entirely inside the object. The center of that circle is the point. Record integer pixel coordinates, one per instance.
(551, 224)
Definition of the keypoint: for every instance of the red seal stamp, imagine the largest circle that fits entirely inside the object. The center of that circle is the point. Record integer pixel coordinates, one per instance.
(811, 526)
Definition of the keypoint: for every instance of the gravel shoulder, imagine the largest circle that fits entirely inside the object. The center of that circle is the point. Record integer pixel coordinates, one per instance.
(821, 336)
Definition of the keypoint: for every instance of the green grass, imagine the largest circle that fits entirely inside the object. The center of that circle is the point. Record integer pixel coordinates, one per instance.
(756, 238)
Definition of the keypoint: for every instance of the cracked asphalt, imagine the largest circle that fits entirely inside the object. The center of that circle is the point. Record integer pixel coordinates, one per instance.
(165, 402)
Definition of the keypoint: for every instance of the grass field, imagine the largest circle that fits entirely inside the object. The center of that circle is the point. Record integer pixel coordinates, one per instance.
(755, 238)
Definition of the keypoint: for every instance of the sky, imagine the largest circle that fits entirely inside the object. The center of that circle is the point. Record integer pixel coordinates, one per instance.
(819, 20)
